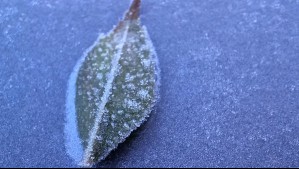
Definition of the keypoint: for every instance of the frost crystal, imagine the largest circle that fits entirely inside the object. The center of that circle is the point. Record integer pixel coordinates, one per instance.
(115, 88)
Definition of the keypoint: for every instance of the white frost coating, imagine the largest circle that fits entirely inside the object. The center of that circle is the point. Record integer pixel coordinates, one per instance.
(155, 58)
(142, 93)
(131, 104)
(104, 99)
(73, 145)
(99, 76)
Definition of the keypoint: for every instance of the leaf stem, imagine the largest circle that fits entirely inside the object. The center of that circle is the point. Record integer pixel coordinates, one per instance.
(134, 10)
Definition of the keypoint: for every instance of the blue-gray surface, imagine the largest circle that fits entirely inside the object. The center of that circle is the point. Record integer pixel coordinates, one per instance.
(230, 81)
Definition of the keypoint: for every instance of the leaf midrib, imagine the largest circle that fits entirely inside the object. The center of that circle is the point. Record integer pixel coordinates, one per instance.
(105, 97)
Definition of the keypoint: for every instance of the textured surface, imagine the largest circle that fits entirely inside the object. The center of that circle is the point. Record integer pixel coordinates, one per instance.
(230, 81)
(112, 90)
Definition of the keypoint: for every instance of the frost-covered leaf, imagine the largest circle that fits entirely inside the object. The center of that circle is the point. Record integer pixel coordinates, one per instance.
(112, 90)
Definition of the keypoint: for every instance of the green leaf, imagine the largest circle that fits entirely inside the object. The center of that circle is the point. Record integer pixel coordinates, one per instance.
(116, 87)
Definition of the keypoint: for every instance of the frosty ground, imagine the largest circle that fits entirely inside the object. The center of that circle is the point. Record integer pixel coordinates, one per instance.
(230, 81)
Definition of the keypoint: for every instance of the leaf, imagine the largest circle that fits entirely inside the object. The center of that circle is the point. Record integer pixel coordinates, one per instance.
(112, 90)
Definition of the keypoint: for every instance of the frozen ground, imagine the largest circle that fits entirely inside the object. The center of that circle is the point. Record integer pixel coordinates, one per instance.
(230, 81)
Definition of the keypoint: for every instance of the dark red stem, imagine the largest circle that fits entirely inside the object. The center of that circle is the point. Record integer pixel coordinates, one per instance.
(134, 10)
